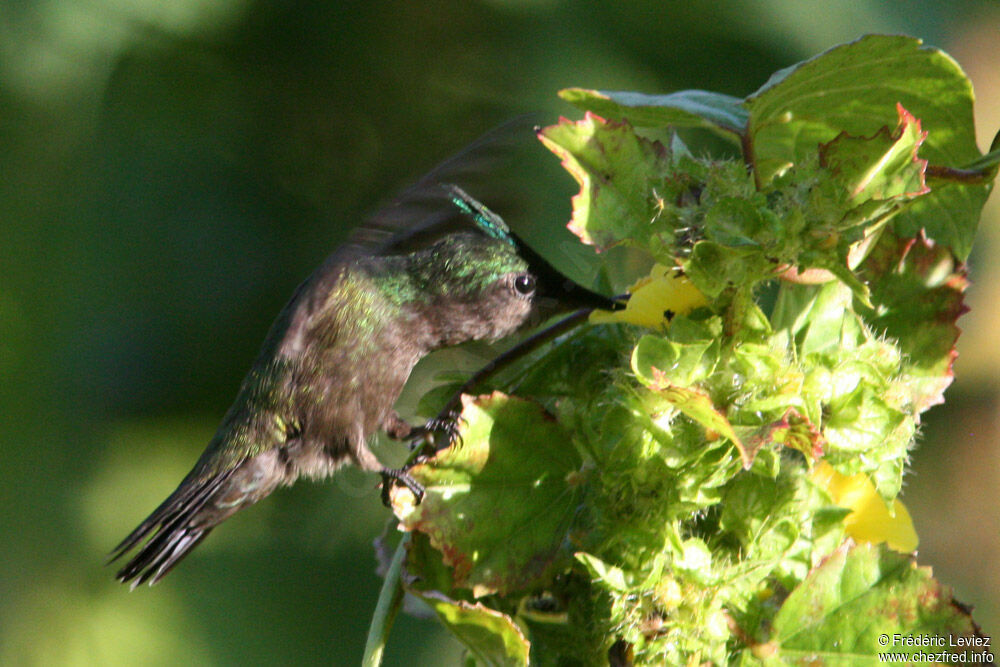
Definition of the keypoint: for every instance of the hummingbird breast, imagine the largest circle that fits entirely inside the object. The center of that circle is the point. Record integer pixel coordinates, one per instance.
(355, 356)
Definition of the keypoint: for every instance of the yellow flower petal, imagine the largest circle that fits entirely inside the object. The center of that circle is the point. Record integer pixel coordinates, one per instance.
(869, 520)
(655, 300)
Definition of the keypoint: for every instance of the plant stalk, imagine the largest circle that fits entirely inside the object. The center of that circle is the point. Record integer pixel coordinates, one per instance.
(390, 598)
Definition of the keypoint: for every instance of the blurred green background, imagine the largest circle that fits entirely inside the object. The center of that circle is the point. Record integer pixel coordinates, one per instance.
(170, 171)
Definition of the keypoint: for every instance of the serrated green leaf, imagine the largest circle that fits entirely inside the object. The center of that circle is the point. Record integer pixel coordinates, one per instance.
(492, 637)
(697, 404)
(882, 167)
(857, 595)
(860, 421)
(888, 476)
(608, 575)
(714, 267)
(855, 88)
(498, 503)
(617, 171)
(917, 289)
(722, 114)
(683, 364)
(736, 222)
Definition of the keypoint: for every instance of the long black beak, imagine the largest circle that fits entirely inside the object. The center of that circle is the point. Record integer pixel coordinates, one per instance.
(567, 294)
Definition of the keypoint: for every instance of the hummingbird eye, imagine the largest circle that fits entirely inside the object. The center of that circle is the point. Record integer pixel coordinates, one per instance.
(525, 284)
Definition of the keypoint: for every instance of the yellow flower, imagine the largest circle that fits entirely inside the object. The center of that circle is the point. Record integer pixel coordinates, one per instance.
(655, 299)
(869, 520)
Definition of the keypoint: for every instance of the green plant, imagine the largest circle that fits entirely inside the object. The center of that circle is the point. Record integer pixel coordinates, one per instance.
(668, 493)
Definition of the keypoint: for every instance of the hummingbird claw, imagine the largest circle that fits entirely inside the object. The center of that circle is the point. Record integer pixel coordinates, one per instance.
(391, 475)
(449, 427)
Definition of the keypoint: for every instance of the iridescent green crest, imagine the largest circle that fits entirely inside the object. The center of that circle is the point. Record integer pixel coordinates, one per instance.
(486, 220)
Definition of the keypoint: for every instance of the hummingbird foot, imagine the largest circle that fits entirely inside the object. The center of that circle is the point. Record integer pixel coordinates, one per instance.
(443, 429)
(446, 425)
(393, 475)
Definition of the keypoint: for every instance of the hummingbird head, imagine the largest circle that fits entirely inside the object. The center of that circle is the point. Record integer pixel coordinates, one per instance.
(555, 292)
(474, 287)
(487, 283)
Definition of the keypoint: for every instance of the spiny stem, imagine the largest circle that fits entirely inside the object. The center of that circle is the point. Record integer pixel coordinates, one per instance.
(390, 599)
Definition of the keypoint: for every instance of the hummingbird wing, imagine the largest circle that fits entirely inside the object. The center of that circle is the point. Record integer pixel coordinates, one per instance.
(425, 211)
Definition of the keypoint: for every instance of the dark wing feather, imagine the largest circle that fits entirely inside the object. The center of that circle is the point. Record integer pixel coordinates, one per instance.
(172, 529)
(424, 211)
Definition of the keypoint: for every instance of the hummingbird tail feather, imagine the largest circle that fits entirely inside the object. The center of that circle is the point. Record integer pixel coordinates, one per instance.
(173, 529)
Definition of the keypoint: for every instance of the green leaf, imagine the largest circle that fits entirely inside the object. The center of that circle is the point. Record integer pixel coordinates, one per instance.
(714, 267)
(490, 635)
(859, 420)
(498, 503)
(628, 522)
(880, 168)
(826, 315)
(493, 637)
(682, 364)
(617, 171)
(609, 575)
(917, 289)
(855, 88)
(720, 113)
(778, 523)
(857, 595)
(697, 405)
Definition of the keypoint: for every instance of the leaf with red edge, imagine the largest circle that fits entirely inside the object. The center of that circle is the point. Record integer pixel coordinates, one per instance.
(854, 604)
(697, 404)
(793, 430)
(499, 502)
(917, 290)
(880, 168)
(492, 636)
(621, 176)
(854, 88)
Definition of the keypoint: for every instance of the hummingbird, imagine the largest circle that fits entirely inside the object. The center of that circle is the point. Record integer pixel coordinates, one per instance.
(337, 356)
